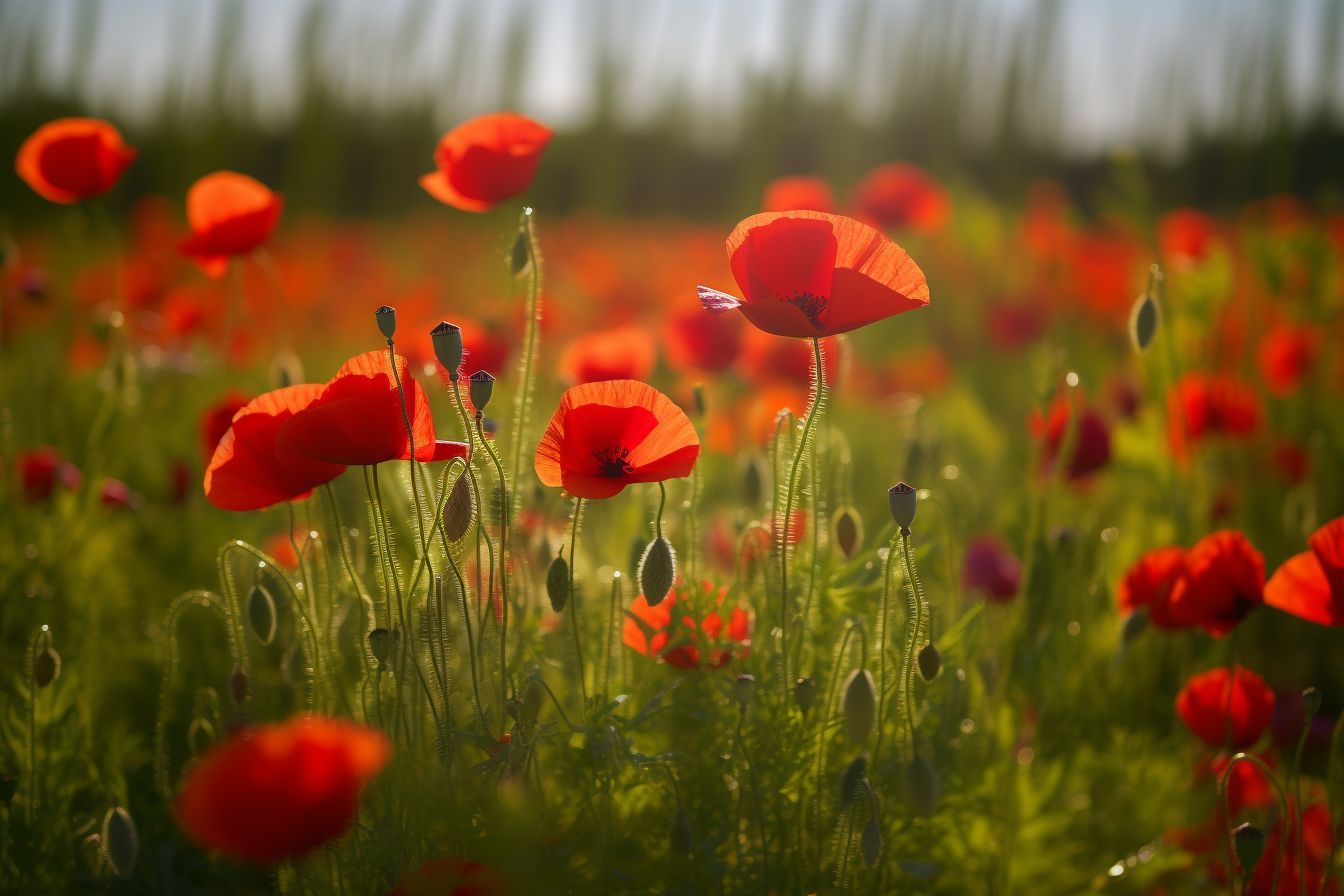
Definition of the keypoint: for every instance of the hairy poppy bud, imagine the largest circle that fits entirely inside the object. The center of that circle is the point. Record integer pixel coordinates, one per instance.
(657, 570)
(482, 387)
(121, 841)
(851, 779)
(238, 685)
(848, 528)
(260, 614)
(447, 339)
(805, 693)
(744, 688)
(753, 480)
(1143, 321)
(557, 583)
(459, 509)
(929, 662)
(901, 498)
(698, 399)
(1134, 625)
(533, 697)
(1311, 703)
(46, 667)
(386, 316)
(520, 255)
(9, 785)
(1250, 843)
(921, 785)
(381, 643)
(870, 842)
(859, 705)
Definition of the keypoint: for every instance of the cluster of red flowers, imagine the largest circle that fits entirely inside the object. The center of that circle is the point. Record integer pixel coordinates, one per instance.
(679, 631)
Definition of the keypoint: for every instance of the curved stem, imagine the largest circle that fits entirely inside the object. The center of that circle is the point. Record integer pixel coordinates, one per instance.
(883, 621)
(574, 600)
(505, 512)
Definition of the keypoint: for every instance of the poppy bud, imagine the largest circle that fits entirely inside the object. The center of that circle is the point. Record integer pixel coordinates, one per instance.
(9, 785)
(744, 688)
(482, 387)
(46, 667)
(286, 369)
(848, 528)
(753, 480)
(458, 510)
(921, 786)
(850, 780)
(1311, 703)
(557, 583)
(238, 685)
(901, 498)
(1143, 321)
(520, 255)
(380, 643)
(805, 693)
(121, 841)
(1250, 843)
(261, 614)
(447, 339)
(870, 842)
(1134, 625)
(386, 316)
(657, 570)
(534, 695)
(698, 399)
(859, 705)
(929, 662)
(683, 836)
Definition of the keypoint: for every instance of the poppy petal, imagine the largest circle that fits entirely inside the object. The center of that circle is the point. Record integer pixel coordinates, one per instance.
(1301, 588)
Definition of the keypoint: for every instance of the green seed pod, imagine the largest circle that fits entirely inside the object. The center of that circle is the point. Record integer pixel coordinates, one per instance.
(860, 705)
(851, 779)
(519, 255)
(557, 583)
(533, 698)
(657, 570)
(238, 686)
(121, 842)
(921, 786)
(1250, 843)
(805, 693)
(482, 387)
(929, 662)
(386, 316)
(1135, 623)
(744, 688)
(46, 667)
(870, 842)
(847, 526)
(260, 614)
(9, 785)
(1311, 703)
(380, 643)
(459, 510)
(447, 340)
(1143, 322)
(286, 369)
(901, 498)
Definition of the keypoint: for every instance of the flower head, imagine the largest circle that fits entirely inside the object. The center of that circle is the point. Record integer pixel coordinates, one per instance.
(1311, 584)
(899, 195)
(1222, 582)
(675, 632)
(486, 160)
(230, 215)
(991, 569)
(1147, 585)
(72, 159)
(1226, 707)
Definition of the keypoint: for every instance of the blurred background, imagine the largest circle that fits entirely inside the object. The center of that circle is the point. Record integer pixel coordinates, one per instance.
(689, 107)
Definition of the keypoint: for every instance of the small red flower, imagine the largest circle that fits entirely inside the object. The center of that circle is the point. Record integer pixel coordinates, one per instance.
(217, 419)
(812, 274)
(1311, 584)
(1185, 236)
(1287, 354)
(900, 196)
(1223, 582)
(452, 876)
(280, 791)
(1226, 707)
(486, 160)
(252, 468)
(623, 353)
(991, 569)
(607, 435)
(42, 470)
(681, 640)
(358, 418)
(701, 342)
(786, 194)
(1091, 449)
(1202, 406)
(73, 159)
(230, 215)
(1147, 585)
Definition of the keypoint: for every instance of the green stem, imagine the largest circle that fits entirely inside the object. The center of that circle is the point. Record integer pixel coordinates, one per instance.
(522, 401)
(883, 621)
(505, 512)
(574, 600)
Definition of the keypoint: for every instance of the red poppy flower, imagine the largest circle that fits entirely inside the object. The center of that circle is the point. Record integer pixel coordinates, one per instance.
(1311, 584)
(812, 274)
(991, 569)
(1186, 235)
(230, 215)
(1206, 405)
(683, 642)
(607, 435)
(1091, 440)
(1016, 324)
(1223, 582)
(1226, 707)
(787, 194)
(217, 419)
(452, 876)
(358, 420)
(1103, 265)
(703, 343)
(1147, 585)
(280, 791)
(900, 196)
(252, 468)
(486, 160)
(624, 353)
(1287, 354)
(42, 469)
(117, 494)
(72, 159)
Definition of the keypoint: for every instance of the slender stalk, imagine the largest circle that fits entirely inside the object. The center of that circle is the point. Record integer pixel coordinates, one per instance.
(505, 513)
(574, 599)
(522, 400)
(912, 644)
(611, 632)
(883, 620)
(755, 799)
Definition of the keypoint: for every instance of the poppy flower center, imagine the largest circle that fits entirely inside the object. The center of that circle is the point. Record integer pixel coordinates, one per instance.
(811, 305)
(613, 462)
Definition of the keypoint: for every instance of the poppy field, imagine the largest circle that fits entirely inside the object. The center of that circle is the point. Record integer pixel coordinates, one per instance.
(887, 536)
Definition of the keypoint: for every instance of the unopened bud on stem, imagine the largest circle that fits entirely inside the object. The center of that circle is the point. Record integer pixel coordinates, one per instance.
(386, 316)
(447, 339)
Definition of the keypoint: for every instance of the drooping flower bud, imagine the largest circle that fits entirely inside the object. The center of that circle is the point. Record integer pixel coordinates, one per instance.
(386, 316)
(1311, 703)
(459, 509)
(698, 400)
(753, 480)
(1143, 322)
(744, 688)
(46, 666)
(1135, 623)
(260, 615)
(519, 256)
(657, 570)
(921, 786)
(805, 693)
(533, 698)
(238, 686)
(381, 643)
(557, 583)
(121, 842)
(859, 705)
(482, 387)
(901, 498)
(851, 779)
(929, 662)
(1250, 843)
(848, 528)
(447, 339)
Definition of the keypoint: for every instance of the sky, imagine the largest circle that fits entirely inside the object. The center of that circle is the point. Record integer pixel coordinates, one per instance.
(1115, 60)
